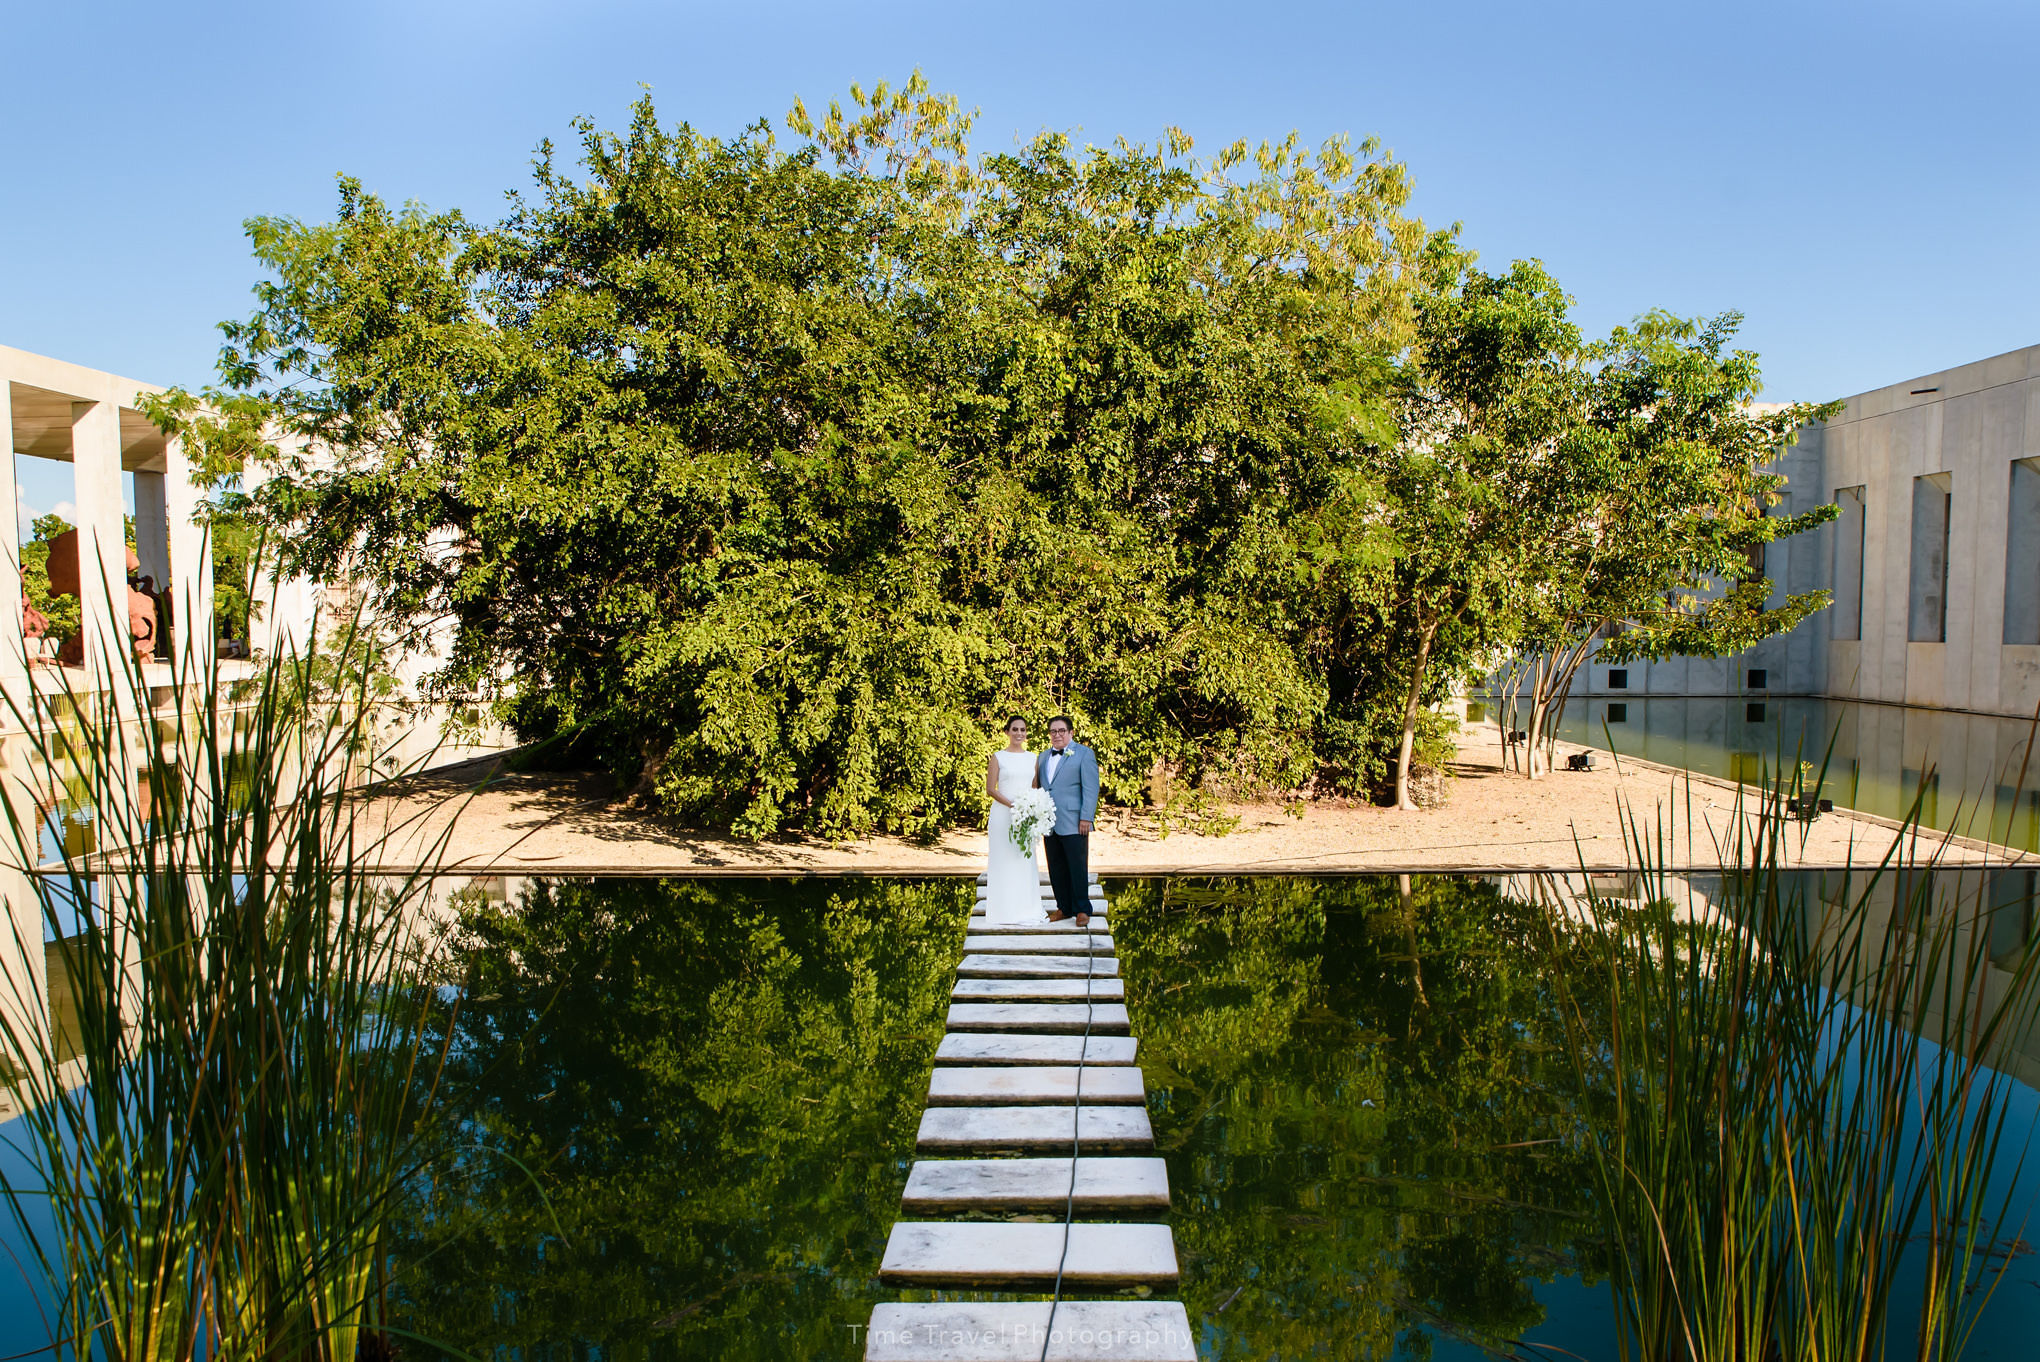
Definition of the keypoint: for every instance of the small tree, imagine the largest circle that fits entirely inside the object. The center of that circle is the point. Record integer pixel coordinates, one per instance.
(1492, 395)
(1654, 510)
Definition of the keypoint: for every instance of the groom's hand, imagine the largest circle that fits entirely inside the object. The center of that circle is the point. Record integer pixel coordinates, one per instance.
(1084, 826)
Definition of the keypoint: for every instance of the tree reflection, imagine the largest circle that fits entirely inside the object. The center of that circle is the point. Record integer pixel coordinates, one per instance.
(1358, 1088)
(690, 1107)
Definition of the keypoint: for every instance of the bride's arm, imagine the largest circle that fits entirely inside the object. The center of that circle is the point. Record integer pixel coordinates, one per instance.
(992, 781)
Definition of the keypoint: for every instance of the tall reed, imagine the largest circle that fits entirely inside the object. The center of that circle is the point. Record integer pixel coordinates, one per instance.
(247, 1080)
(1803, 1099)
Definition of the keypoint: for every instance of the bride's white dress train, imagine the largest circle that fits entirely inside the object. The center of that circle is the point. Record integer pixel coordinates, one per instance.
(1012, 883)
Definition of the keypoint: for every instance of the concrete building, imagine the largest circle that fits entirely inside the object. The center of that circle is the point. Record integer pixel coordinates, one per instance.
(92, 421)
(89, 419)
(1934, 562)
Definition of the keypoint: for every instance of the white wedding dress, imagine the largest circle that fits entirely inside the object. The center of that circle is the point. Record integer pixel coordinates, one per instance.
(1012, 883)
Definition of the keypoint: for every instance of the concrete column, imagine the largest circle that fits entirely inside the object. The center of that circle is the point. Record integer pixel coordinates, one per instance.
(13, 647)
(102, 543)
(189, 568)
(152, 527)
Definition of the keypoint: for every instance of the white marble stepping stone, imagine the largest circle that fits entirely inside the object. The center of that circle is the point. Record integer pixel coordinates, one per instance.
(1067, 928)
(1037, 990)
(957, 1129)
(1079, 943)
(1005, 1085)
(1097, 1018)
(1047, 893)
(968, 1047)
(1042, 875)
(1021, 1256)
(946, 1186)
(1037, 967)
(1015, 1331)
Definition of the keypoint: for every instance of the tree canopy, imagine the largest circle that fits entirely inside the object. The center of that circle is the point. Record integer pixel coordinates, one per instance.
(771, 471)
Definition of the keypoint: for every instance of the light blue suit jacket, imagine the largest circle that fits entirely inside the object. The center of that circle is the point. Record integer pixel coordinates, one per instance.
(1074, 789)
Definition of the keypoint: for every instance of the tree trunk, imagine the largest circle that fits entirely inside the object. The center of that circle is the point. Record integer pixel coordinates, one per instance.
(1564, 668)
(1409, 717)
(1406, 893)
(1534, 730)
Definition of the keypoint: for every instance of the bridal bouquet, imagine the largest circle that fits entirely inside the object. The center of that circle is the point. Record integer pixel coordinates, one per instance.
(1033, 815)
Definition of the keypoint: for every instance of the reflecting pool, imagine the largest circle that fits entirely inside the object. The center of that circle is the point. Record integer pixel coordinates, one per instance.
(1970, 772)
(1360, 1089)
(688, 1109)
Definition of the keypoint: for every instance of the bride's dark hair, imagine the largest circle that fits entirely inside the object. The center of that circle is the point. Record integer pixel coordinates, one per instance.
(1016, 719)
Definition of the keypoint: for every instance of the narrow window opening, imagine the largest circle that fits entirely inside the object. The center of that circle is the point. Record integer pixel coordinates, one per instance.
(1618, 678)
(1927, 617)
(1759, 678)
(2022, 554)
(1618, 714)
(1847, 611)
(1753, 712)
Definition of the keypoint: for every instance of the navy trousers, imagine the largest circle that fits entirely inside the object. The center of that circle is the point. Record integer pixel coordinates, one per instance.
(1069, 870)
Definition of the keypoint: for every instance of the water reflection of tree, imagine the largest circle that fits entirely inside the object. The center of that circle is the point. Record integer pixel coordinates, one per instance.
(715, 1085)
(1351, 1081)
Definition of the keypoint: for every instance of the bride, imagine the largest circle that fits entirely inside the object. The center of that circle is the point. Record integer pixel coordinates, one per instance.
(1012, 884)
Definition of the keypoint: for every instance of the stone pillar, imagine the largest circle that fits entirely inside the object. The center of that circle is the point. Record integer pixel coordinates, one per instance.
(24, 977)
(189, 568)
(152, 527)
(13, 647)
(102, 544)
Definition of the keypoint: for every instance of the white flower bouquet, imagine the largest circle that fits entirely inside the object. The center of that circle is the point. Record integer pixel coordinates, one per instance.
(1033, 816)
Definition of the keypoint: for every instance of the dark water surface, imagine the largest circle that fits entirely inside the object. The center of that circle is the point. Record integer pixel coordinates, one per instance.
(1970, 773)
(690, 1107)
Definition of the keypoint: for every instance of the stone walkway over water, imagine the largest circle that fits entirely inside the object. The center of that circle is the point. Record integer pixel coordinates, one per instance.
(1037, 1174)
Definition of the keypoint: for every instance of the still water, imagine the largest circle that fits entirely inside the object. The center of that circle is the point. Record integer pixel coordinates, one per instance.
(1969, 772)
(689, 1108)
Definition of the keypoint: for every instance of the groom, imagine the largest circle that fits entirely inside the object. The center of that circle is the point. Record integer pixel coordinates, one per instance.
(1069, 772)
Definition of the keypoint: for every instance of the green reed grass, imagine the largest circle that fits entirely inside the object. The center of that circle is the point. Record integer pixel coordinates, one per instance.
(1796, 1091)
(247, 1081)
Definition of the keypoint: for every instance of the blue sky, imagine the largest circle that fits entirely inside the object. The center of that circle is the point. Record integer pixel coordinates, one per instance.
(1858, 179)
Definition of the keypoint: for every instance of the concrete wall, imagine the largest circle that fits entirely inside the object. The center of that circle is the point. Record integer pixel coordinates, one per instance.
(1960, 432)
(1933, 614)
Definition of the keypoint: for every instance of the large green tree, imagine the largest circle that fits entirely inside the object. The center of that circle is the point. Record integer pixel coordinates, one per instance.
(770, 476)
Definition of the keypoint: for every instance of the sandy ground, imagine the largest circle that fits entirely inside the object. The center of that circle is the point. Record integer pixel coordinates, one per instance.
(1493, 820)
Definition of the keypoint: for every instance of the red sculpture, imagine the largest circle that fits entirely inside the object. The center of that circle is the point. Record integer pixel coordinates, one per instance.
(65, 581)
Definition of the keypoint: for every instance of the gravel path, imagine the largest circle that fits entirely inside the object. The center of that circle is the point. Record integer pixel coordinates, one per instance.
(1492, 821)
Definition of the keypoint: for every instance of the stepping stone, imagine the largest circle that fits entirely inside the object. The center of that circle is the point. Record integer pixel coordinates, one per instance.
(1097, 1129)
(1042, 875)
(1037, 967)
(1037, 928)
(1025, 1257)
(1079, 943)
(965, 1047)
(1098, 920)
(1037, 990)
(946, 1186)
(1014, 1331)
(1097, 1018)
(1005, 1086)
(1047, 894)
